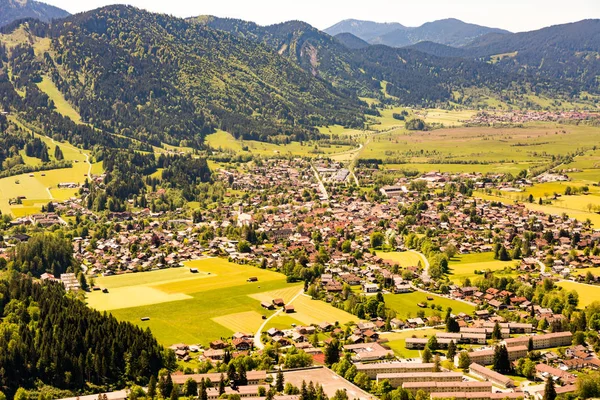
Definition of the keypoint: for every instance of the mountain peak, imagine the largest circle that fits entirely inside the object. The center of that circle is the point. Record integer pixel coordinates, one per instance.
(13, 10)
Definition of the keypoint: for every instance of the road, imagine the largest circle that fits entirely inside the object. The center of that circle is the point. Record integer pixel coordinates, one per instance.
(542, 266)
(425, 275)
(324, 193)
(258, 344)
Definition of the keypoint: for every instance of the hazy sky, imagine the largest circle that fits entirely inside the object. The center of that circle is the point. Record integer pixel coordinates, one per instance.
(514, 15)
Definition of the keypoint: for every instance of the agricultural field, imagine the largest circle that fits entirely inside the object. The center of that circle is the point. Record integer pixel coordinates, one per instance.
(587, 293)
(403, 258)
(42, 187)
(464, 266)
(225, 141)
(488, 145)
(405, 304)
(397, 341)
(509, 168)
(200, 307)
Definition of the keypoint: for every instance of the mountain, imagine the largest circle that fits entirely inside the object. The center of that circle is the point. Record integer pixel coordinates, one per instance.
(562, 52)
(412, 76)
(351, 41)
(157, 78)
(452, 32)
(12, 10)
(365, 30)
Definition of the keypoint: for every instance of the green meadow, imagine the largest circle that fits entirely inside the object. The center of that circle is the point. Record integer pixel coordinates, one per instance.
(464, 266)
(212, 303)
(405, 304)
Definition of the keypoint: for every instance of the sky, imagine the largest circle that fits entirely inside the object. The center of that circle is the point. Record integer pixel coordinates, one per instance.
(513, 15)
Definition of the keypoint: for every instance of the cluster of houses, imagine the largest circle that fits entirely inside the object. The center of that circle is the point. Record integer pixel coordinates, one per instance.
(522, 117)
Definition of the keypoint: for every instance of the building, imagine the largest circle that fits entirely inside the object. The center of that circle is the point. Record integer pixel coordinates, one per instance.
(463, 338)
(479, 371)
(513, 327)
(368, 351)
(398, 379)
(486, 357)
(370, 288)
(421, 343)
(476, 396)
(70, 281)
(504, 332)
(254, 378)
(242, 391)
(448, 387)
(372, 370)
(545, 341)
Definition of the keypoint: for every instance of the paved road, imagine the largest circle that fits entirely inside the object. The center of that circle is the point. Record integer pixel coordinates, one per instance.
(324, 193)
(258, 344)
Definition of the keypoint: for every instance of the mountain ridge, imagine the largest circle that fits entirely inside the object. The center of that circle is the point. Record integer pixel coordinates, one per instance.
(13, 10)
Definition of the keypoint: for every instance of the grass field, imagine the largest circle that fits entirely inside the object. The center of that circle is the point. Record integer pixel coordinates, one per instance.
(397, 341)
(214, 303)
(61, 104)
(464, 265)
(587, 293)
(405, 304)
(225, 141)
(403, 259)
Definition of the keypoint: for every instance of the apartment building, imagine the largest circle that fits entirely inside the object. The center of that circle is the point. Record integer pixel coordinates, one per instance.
(486, 357)
(397, 379)
(448, 387)
(545, 341)
(372, 370)
(479, 371)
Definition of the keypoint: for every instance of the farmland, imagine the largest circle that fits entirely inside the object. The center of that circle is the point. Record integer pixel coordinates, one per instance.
(397, 341)
(406, 306)
(403, 259)
(199, 307)
(40, 188)
(225, 141)
(464, 266)
(587, 293)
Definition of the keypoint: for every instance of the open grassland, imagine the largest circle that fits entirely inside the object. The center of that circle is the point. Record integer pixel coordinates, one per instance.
(405, 304)
(488, 145)
(512, 168)
(587, 293)
(397, 341)
(61, 104)
(403, 258)
(42, 187)
(225, 141)
(554, 209)
(464, 266)
(200, 307)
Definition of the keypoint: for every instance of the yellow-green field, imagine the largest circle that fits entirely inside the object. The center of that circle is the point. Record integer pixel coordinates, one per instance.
(225, 141)
(403, 259)
(61, 104)
(215, 302)
(397, 341)
(42, 187)
(405, 304)
(464, 265)
(587, 293)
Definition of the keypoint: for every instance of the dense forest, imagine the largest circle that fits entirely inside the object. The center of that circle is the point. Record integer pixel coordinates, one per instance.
(51, 339)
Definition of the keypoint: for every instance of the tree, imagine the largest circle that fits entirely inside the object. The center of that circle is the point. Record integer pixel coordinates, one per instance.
(241, 375)
(174, 393)
(152, 387)
(203, 390)
(332, 353)
(340, 394)
(452, 325)
(362, 381)
(426, 355)
(221, 385)
(501, 360)
(530, 346)
(549, 389)
(497, 332)
(21, 394)
(432, 343)
(377, 240)
(190, 388)
(464, 361)
(280, 383)
(451, 350)
(2, 396)
(578, 338)
(436, 363)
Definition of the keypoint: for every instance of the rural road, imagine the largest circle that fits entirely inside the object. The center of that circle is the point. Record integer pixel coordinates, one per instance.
(425, 274)
(321, 185)
(258, 344)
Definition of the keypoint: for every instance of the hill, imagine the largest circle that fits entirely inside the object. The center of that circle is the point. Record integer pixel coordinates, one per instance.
(365, 30)
(158, 79)
(451, 31)
(351, 41)
(12, 10)
(561, 52)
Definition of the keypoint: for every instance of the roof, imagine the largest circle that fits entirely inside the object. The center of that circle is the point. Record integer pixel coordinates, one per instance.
(490, 374)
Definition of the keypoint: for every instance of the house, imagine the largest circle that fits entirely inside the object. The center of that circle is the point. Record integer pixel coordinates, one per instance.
(278, 302)
(289, 309)
(370, 288)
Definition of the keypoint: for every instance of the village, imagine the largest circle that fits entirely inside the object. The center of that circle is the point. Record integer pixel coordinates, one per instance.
(288, 213)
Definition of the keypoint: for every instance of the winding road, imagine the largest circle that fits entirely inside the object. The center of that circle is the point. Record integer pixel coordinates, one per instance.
(258, 344)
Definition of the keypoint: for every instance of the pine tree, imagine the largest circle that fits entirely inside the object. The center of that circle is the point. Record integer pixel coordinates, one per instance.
(452, 325)
(204, 392)
(549, 389)
(280, 384)
(152, 387)
(501, 361)
(436, 364)
(464, 361)
(426, 355)
(530, 346)
(497, 332)
(174, 393)
(451, 350)
(221, 385)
